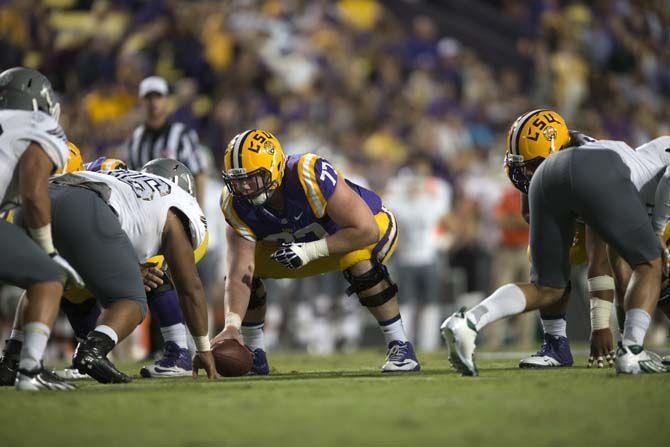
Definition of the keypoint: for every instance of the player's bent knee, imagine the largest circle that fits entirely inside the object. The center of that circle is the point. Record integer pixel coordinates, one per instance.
(258, 296)
(550, 295)
(363, 285)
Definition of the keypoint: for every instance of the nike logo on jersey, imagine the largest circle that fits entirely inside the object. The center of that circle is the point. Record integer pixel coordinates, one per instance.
(298, 216)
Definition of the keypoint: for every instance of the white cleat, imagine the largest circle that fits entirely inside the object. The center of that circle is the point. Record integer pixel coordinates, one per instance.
(41, 379)
(71, 374)
(460, 334)
(635, 360)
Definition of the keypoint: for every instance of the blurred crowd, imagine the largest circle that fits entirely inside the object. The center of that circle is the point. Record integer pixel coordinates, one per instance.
(397, 102)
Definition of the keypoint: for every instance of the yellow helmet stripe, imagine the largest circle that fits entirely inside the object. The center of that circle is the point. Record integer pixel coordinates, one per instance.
(516, 135)
(236, 156)
(308, 180)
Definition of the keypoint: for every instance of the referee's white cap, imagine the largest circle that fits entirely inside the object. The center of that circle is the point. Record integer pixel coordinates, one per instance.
(153, 84)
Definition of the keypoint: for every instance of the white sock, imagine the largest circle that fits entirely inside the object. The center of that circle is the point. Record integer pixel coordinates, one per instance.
(36, 336)
(176, 334)
(108, 331)
(393, 330)
(635, 327)
(17, 335)
(253, 336)
(555, 326)
(507, 300)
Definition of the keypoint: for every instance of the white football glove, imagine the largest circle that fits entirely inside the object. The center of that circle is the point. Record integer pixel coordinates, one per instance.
(73, 278)
(297, 254)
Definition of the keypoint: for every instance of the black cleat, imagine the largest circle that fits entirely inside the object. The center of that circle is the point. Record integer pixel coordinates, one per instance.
(91, 358)
(41, 379)
(9, 362)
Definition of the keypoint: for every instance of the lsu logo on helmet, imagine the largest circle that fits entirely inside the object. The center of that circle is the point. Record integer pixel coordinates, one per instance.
(74, 161)
(531, 139)
(253, 165)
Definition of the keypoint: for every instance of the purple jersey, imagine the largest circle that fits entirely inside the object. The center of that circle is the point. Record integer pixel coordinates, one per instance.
(308, 182)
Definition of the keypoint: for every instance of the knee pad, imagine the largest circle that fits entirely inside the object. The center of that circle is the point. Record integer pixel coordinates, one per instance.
(258, 295)
(376, 275)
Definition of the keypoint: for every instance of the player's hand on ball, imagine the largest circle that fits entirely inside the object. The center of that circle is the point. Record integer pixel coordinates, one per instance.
(204, 360)
(152, 277)
(228, 333)
(291, 256)
(73, 278)
(602, 349)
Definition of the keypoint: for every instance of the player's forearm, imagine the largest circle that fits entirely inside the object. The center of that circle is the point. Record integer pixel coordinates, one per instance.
(349, 239)
(36, 204)
(194, 306)
(236, 300)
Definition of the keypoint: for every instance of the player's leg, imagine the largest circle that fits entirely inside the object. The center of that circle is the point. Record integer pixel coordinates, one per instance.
(551, 234)
(165, 308)
(83, 318)
(88, 234)
(24, 264)
(253, 328)
(611, 205)
(376, 291)
(555, 349)
(622, 273)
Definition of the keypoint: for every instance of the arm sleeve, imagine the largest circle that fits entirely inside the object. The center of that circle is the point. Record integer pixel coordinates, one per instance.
(233, 219)
(662, 203)
(189, 152)
(318, 179)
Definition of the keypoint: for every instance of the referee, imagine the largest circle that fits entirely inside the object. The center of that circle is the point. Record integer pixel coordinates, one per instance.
(160, 138)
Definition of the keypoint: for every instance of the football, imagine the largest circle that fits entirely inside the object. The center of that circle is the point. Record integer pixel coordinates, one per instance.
(232, 359)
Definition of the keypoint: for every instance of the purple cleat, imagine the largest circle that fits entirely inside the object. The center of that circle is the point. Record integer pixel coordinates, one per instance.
(554, 353)
(176, 362)
(400, 357)
(260, 366)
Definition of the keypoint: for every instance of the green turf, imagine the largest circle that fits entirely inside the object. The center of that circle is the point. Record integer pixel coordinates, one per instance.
(343, 401)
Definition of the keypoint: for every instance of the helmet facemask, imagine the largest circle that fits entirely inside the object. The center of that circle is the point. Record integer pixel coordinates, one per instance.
(256, 187)
(521, 172)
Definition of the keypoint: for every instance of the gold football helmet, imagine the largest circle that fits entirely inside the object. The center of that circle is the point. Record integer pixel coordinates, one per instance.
(74, 161)
(531, 139)
(253, 165)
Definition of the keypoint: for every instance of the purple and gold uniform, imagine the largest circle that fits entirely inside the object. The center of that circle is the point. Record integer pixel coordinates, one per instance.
(308, 182)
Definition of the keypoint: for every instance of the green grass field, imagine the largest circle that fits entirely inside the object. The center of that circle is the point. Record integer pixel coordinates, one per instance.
(343, 401)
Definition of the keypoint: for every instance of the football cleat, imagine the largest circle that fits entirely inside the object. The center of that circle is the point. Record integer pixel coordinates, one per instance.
(260, 365)
(9, 362)
(41, 379)
(176, 362)
(71, 373)
(91, 358)
(400, 357)
(554, 353)
(666, 360)
(635, 359)
(460, 333)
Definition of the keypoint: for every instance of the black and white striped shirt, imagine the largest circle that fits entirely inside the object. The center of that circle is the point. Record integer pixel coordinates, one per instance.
(173, 140)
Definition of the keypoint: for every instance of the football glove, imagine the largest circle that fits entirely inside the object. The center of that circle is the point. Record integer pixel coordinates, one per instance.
(295, 255)
(291, 256)
(73, 278)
